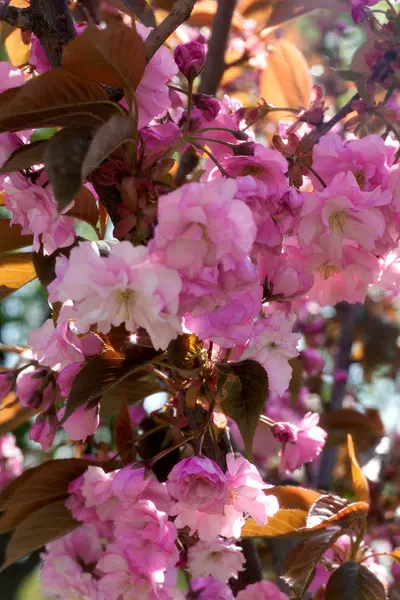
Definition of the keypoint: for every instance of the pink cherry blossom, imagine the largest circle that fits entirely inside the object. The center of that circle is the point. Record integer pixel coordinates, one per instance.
(124, 287)
(230, 323)
(148, 536)
(217, 559)
(190, 58)
(313, 361)
(203, 225)
(198, 484)
(44, 429)
(152, 92)
(83, 422)
(11, 459)
(368, 159)
(342, 212)
(245, 487)
(273, 343)
(129, 483)
(67, 566)
(284, 276)
(34, 208)
(55, 347)
(263, 590)
(35, 389)
(208, 588)
(67, 376)
(305, 446)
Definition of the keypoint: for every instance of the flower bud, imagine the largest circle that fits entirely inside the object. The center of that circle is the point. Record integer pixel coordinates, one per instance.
(284, 432)
(208, 105)
(313, 361)
(190, 59)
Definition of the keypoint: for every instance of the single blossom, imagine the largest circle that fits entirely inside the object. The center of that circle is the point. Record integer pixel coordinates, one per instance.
(304, 442)
(217, 559)
(44, 429)
(190, 59)
(83, 422)
(273, 343)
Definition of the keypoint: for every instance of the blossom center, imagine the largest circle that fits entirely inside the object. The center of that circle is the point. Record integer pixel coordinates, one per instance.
(328, 270)
(124, 300)
(337, 220)
(252, 170)
(360, 178)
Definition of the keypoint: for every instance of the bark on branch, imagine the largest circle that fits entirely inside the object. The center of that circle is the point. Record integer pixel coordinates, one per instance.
(16, 17)
(178, 15)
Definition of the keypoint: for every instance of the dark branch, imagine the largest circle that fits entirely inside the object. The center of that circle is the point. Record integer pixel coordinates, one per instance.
(143, 11)
(16, 17)
(178, 15)
(59, 27)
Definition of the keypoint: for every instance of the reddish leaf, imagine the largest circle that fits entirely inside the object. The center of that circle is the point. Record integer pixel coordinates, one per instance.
(331, 510)
(11, 237)
(85, 208)
(284, 523)
(15, 271)
(300, 564)
(103, 220)
(130, 390)
(353, 581)
(54, 99)
(12, 414)
(123, 435)
(360, 482)
(39, 528)
(293, 497)
(115, 56)
(362, 427)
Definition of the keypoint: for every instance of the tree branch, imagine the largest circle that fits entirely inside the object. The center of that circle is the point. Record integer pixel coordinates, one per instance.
(59, 27)
(178, 15)
(16, 17)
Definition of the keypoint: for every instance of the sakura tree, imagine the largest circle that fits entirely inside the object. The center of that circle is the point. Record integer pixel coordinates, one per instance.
(190, 331)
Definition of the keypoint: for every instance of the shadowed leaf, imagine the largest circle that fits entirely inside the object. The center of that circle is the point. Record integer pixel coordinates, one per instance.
(15, 271)
(11, 237)
(185, 354)
(293, 497)
(245, 407)
(85, 208)
(353, 581)
(25, 156)
(42, 526)
(360, 482)
(362, 427)
(131, 390)
(123, 435)
(13, 414)
(64, 157)
(115, 56)
(107, 138)
(331, 510)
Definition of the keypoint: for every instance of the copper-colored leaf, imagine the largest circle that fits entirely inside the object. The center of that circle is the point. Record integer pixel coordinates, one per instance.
(18, 51)
(15, 271)
(11, 237)
(103, 214)
(108, 138)
(293, 497)
(353, 581)
(300, 564)
(286, 82)
(360, 482)
(54, 99)
(395, 554)
(284, 523)
(203, 16)
(13, 414)
(25, 156)
(42, 526)
(363, 428)
(123, 435)
(115, 55)
(331, 510)
(85, 207)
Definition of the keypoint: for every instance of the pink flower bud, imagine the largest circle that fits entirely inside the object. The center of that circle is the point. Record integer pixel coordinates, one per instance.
(285, 433)
(313, 361)
(190, 59)
(208, 105)
(32, 390)
(44, 429)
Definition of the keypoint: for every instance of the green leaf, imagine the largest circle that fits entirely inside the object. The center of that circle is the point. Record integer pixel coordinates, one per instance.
(245, 406)
(300, 564)
(353, 581)
(25, 156)
(108, 138)
(64, 157)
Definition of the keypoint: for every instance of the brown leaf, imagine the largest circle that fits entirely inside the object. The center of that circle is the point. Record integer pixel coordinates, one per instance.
(103, 220)
(203, 16)
(353, 581)
(39, 528)
(115, 56)
(284, 523)
(11, 237)
(300, 563)
(54, 99)
(102, 373)
(108, 138)
(15, 271)
(25, 156)
(123, 435)
(185, 354)
(362, 427)
(286, 81)
(360, 482)
(331, 510)
(131, 390)
(85, 208)
(64, 157)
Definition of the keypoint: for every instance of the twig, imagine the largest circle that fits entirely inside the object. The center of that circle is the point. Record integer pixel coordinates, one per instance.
(178, 15)
(143, 11)
(59, 27)
(16, 17)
